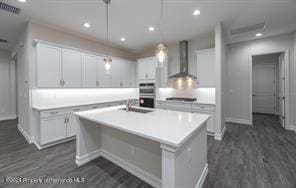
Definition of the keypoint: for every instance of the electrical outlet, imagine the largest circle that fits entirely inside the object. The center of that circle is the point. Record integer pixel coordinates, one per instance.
(189, 154)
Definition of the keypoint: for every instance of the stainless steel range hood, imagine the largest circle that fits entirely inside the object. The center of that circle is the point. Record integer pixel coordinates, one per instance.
(183, 45)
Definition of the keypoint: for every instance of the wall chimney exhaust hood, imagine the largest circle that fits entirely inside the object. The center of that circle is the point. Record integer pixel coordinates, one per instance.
(183, 74)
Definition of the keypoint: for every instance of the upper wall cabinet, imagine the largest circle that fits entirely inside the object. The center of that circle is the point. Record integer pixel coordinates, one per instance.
(89, 70)
(48, 66)
(58, 67)
(147, 68)
(206, 68)
(71, 66)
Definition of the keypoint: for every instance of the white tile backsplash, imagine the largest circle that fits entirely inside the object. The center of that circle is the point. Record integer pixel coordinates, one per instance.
(71, 97)
(204, 94)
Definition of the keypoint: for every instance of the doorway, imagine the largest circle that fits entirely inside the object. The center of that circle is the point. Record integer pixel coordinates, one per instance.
(269, 86)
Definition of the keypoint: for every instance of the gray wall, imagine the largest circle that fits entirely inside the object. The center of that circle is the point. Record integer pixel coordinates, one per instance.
(7, 110)
(202, 42)
(238, 73)
(220, 64)
(54, 35)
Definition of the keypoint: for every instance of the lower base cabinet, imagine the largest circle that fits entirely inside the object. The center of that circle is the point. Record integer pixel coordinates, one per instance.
(193, 108)
(52, 129)
(56, 126)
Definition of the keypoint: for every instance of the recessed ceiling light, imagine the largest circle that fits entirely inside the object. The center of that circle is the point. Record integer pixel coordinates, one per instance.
(23, 1)
(151, 28)
(86, 24)
(122, 39)
(258, 34)
(196, 12)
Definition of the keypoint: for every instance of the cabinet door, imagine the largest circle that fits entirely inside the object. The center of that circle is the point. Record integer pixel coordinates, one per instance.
(141, 70)
(211, 121)
(151, 68)
(103, 75)
(125, 74)
(48, 66)
(206, 68)
(132, 80)
(52, 129)
(89, 70)
(161, 76)
(147, 68)
(71, 61)
(71, 126)
(116, 73)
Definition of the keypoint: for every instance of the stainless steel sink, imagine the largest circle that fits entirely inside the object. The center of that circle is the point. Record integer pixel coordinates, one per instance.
(143, 111)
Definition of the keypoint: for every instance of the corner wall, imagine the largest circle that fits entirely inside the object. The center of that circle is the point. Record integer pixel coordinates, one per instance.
(7, 109)
(220, 63)
(238, 73)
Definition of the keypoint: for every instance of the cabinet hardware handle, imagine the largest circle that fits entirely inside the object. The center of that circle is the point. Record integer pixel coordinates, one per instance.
(77, 109)
(65, 120)
(53, 112)
(68, 120)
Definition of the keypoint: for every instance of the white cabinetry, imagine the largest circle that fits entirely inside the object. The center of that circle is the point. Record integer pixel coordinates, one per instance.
(193, 108)
(52, 129)
(89, 70)
(206, 68)
(48, 66)
(71, 66)
(56, 126)
(147, 68)
(59, 67)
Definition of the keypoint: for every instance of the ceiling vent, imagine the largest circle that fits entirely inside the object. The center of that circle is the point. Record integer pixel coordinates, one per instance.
(249, 28)
(3, 41)
(9, 8)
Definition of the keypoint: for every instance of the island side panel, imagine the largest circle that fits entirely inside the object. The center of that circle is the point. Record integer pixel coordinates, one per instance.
(186, 166)
(88, 141)
(139, 156)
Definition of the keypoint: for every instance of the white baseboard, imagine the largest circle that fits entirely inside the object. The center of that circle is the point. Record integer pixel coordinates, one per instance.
(219, 136)
(10, 117)
(291, 128)
(87, 157)
(150, 179)
(40, 147)
(30, 139)
(202, 177)
(238, 121)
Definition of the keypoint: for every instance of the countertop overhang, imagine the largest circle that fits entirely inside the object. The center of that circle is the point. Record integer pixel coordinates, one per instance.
(167, 127)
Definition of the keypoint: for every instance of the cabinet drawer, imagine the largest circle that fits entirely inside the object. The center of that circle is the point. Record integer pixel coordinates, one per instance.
(202, 107)
(52, 113)
(178, 107)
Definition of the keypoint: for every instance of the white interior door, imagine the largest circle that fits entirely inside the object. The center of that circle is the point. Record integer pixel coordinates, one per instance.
(264, 88)
(282, 89)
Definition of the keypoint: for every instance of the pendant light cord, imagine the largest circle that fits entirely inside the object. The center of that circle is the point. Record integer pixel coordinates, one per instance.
(107, 24)
(161, 15)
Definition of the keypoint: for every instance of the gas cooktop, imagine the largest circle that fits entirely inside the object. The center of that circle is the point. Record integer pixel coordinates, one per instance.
(181, 99)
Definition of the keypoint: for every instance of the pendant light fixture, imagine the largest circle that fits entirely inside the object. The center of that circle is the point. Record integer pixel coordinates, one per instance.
(108, 59)
(161, 50)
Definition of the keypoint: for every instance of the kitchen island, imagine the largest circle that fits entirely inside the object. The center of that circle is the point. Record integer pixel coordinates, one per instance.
(164, 148)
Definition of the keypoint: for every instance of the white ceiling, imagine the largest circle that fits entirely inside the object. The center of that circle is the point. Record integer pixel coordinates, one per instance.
(131, 18)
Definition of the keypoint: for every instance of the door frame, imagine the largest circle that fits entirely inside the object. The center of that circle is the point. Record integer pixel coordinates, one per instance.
(287, 85)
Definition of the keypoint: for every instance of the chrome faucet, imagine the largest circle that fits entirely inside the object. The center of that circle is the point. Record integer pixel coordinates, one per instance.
(129, 104)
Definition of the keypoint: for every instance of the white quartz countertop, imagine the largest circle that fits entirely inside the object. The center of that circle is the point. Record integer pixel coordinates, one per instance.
(198, 101)
(59, 106)
(164, 126)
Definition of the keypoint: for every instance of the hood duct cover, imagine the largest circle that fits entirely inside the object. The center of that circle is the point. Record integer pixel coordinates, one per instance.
(183, 45)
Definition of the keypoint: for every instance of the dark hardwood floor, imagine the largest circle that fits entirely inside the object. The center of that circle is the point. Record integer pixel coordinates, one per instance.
(259, 156)
(263, 155)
